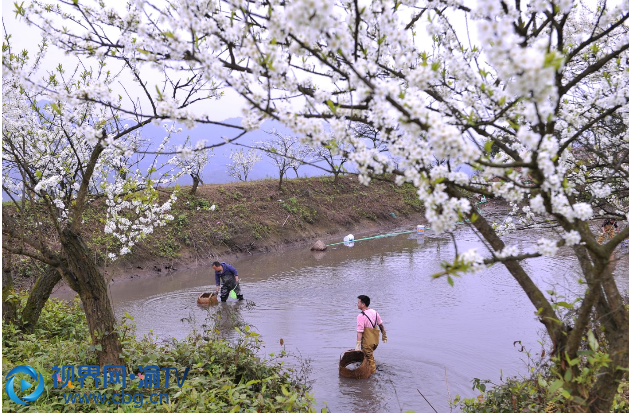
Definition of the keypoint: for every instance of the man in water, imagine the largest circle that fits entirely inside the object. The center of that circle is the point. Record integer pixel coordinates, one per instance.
(609, 230)
(367, 334)
(226, 274)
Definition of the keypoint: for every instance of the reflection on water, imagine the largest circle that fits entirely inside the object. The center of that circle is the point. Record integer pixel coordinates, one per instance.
(309, 301)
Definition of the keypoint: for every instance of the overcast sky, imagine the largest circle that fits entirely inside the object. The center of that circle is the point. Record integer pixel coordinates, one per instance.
(27, 37)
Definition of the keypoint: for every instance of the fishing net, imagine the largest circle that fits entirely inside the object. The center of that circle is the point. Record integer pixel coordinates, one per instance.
(354, 365)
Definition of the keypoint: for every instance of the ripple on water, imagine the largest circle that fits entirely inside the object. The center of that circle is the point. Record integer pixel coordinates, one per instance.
(310, 302)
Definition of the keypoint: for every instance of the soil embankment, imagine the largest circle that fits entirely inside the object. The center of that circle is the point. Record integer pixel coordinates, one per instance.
(255, 217)
(247, 218)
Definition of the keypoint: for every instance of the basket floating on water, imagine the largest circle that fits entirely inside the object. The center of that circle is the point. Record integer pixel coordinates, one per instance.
(207, 299)
(363, 371)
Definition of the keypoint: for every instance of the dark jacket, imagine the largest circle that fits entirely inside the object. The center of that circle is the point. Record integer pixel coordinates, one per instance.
(227, 270)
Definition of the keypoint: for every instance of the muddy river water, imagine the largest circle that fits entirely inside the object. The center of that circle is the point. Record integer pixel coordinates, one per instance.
(440, 336)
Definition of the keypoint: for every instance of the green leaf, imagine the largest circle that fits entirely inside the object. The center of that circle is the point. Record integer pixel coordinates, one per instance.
(19, 9)
(332, 106)
(564, 304)
(555, 386)
(450, 280)
(513, 125)
(554, 60)
(568, 375)
(488, 145)
(55, 108)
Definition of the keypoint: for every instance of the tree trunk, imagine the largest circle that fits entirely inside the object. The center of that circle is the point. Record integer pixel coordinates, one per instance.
(280, 183)
(603, 392)
(9, 306)
(92, 290)
(193, 190)
(37, 298)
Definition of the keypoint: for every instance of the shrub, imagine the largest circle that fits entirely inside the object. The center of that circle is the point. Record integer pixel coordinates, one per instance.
(544, 389)
(223, 376)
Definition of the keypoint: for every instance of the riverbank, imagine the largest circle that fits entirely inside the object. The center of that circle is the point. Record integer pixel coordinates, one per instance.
(226, 221)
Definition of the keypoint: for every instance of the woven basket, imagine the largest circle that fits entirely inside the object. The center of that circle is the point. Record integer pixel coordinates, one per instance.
(207, 299)
(354, 356)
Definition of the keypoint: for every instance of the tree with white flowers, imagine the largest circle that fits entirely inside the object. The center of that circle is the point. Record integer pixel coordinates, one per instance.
(192, 161)
(334, 153)
(242, 163)
(535, 99)
(60, 156)
(285, 151)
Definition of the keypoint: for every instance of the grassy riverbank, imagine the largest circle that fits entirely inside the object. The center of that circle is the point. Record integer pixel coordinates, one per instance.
(248, 218)
(223, 376)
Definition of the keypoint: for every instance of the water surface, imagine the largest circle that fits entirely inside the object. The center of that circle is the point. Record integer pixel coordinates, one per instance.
(440, 337)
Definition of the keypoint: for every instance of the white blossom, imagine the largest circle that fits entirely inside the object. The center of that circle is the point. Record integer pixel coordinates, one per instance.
(572, 237)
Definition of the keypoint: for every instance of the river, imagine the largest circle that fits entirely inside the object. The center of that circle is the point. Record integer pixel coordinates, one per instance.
(440, 336)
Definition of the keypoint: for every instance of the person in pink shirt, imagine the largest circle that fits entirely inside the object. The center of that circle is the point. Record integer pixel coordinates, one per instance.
(367, 333)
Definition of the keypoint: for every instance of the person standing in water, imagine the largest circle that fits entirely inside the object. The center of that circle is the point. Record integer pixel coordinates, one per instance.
(367, 333)
(226, 278)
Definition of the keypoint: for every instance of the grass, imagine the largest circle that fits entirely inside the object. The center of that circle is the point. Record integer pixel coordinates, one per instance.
(247, 216)
(224, 375)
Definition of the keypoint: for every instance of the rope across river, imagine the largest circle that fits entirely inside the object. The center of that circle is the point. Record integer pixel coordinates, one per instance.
(483, 201)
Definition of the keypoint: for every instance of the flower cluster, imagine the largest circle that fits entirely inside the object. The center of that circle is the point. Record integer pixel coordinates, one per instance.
(534, 110)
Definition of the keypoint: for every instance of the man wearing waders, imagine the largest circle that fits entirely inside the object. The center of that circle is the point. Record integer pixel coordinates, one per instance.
(226, 274)
(367, 333)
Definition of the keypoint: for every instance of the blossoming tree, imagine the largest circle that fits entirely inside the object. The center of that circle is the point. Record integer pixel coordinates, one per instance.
(192, 161)
(68, 142)
(285, 151)
(59, 156)
(535, 99)
(242, 163)
(334, 153)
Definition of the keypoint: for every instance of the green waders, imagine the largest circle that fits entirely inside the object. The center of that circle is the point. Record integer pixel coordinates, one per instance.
(369, 342)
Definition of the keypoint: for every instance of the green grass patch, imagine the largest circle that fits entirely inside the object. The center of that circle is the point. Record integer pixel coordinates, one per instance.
(224, 375)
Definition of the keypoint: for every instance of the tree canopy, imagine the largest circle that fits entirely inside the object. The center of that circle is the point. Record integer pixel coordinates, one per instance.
(532, 96)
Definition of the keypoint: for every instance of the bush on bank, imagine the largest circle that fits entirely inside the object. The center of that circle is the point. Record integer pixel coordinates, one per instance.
(223, 376)
(544, 389)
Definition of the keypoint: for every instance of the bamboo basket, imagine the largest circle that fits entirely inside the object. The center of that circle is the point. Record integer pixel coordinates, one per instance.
(207, 299)
(354, 356)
